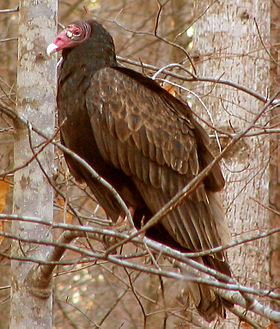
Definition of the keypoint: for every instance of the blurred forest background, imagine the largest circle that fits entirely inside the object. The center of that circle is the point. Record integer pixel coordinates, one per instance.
(111, 296)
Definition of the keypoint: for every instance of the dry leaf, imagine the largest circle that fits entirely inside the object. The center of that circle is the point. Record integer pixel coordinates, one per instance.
(2, 228)
(4, 189)
(170, 88)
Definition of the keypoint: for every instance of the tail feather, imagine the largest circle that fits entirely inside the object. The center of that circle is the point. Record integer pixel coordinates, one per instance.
(207, 303)
(195, 224)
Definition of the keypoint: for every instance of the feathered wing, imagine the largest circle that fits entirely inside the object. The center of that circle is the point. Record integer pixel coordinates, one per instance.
(144, 132)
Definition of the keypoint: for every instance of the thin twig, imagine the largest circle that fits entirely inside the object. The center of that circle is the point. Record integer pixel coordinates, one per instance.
(167, 41)
(264, 46)
(6, 11)
(8, 39)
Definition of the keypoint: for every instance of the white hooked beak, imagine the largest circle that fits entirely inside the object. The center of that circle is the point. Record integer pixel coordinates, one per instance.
(52, 48)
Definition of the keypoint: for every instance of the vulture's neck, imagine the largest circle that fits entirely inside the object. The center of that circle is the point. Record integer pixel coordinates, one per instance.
(89, 57)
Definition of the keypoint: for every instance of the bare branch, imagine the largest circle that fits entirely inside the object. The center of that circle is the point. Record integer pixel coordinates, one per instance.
(264, 46)
(78, 231)
(40, 277)
(194, 274)
(196, 78)
(118, 235)
(8, 39)
(6, 11)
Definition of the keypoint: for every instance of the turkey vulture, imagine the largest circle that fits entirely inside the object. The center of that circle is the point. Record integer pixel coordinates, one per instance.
(144, 142)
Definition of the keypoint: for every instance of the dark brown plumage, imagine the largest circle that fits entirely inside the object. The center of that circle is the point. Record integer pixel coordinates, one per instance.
(143, 141)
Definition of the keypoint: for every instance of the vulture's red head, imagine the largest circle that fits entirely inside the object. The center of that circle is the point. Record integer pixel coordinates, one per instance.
(73, 35)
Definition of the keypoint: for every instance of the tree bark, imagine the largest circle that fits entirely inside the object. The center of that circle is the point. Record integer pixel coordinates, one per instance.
(274, 185)
(33, 195)
(229, 43)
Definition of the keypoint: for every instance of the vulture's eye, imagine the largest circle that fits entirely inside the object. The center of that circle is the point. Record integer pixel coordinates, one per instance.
(73, 34)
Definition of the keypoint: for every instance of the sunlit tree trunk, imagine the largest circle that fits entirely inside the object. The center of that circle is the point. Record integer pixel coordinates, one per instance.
(229, 43)
(33, 196)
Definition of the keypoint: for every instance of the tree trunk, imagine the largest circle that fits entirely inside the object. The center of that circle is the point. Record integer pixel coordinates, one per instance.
(33, 196)
(275, 151)
(229, 43)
